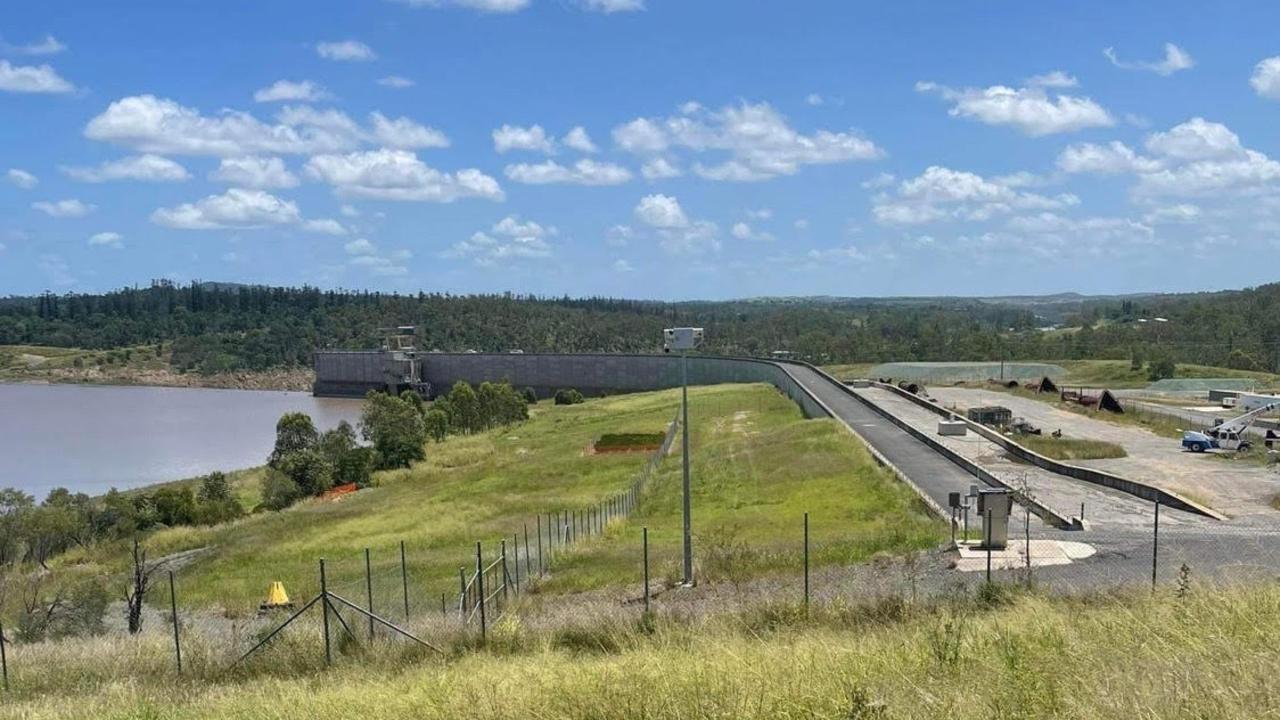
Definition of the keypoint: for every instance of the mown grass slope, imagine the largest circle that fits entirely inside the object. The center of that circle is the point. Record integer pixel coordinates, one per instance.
(758, 466)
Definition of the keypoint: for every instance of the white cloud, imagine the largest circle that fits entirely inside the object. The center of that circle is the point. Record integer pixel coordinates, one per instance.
(801, 224)
(1266, 78)
(640, 136)
(814, 99)
(1197, 139)
(613, 6)
(64, 208)
(48, 46)
(619, 236)
(512, 226)
(399, 175)
(881, 180)
(21, 178)
(1251, 169)
(324, 226)
(1114, 157)
(32, 79)
(107, 239)
(1054, 79)
(493, 6)
(346, 51)
(236, 208)
(743, 231)
(1175, 59)
(659, 169)
(156, 125)
(941, 193)
(151, 124)
(367, 256)
(56, 269)
(360, 246)
(350, 211)
(515, 239)
(253, 171)
(1180, 213)
(578, 139)
(756, 138)
(583, 172)
(697, 238)
(1030, 110)
(622, 266)
(143, 168)
(1050, 235)
(405, 134)
(287, 90)
(514, 137)
(760, 213)
(397, 82)
(661, 211)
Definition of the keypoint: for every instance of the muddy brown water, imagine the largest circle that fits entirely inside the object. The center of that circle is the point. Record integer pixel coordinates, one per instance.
(90, 438)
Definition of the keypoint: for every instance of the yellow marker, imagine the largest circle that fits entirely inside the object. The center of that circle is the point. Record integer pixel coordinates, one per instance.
(276, 597)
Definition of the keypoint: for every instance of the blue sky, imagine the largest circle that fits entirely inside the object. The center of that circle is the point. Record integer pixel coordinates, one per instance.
(641, 148)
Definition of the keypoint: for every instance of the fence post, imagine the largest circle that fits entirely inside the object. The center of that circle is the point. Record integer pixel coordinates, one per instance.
(462, 591)
(542, 568)
(324, 602)
(645, 536)
(1155, 546)
(515, 543)
(4, 659)
(528, 556)
(480, 587)
(806, 562)
(986, 540)
(368, 588)
(173, 608)
(404, 579)
(444, 605)
(505, 574)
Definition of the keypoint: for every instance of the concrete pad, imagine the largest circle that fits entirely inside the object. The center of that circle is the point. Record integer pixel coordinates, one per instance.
(1043, 554)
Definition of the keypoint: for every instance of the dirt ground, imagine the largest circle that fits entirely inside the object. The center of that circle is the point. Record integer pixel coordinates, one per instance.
(1230, 489)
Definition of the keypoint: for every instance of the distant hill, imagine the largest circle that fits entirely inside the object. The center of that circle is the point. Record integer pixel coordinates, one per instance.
(218, 327)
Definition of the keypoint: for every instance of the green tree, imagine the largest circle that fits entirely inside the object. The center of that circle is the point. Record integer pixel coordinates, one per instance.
(309, 470)
(174, 506)
(294, 433)
(396, 429)
(437, 424)
(530, 396)
(464, 407)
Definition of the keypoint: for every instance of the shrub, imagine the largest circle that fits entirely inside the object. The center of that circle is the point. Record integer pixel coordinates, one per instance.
(569, 397)
(279, 492)
(530, 395)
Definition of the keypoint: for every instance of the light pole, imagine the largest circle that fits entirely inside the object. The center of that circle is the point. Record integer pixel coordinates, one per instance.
(684, 340)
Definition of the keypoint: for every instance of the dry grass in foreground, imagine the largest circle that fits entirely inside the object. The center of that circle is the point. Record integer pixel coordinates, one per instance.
(1208, 654)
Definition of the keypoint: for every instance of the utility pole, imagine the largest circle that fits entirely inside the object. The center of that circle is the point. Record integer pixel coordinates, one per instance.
(684, 340)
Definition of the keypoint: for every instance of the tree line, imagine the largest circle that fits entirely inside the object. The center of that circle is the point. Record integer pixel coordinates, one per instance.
(216, 327)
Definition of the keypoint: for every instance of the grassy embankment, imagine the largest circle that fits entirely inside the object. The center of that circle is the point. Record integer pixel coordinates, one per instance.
(1210, 654)
(1071, 448)
(138, 365)
(757, 467)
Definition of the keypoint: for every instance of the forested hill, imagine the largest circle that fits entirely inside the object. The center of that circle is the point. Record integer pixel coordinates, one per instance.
(221, 327)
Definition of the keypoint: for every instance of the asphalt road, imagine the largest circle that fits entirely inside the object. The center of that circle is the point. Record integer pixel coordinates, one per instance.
(1237, 550)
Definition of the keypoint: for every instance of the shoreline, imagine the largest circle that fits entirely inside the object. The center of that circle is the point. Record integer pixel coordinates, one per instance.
(283, 380)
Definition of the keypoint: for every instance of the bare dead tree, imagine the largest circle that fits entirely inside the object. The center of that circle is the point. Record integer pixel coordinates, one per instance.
(137, 590)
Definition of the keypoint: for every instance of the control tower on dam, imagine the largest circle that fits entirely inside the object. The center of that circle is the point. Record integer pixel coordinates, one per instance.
(345, 373)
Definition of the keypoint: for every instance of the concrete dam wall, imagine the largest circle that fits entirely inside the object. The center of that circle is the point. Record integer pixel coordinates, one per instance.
(344, 373)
